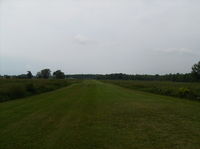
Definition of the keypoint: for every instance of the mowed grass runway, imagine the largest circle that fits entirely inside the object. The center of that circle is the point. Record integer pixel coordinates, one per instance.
(96, 115)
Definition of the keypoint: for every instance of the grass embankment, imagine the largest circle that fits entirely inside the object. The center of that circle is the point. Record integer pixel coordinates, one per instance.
(175, 89)
(17, 88)
(97, 115)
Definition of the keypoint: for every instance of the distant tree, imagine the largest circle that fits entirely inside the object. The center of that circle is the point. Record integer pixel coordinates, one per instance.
(7, 76)
(29, 75)
(45, 73)
(196, 71)
(38, 75)
(22, 76)
(59, 74)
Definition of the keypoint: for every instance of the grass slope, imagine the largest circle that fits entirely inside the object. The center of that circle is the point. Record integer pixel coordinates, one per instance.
(97, 115)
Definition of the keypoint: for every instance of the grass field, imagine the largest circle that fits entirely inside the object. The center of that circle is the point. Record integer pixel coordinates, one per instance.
(96, 115)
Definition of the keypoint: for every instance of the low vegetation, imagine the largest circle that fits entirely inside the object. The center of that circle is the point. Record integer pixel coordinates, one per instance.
(176, 89)
(17, 88)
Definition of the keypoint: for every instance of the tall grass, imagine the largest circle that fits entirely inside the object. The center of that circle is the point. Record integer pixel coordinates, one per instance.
(175, 89)
(17, 88)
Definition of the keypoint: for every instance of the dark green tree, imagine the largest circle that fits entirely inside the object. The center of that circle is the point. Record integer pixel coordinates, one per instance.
(45, 73)
(196, 71)
(38, 75)
(29, 75)
(59, 74)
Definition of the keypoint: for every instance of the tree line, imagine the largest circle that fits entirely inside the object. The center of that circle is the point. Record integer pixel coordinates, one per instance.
(46, 74)
(178, 77)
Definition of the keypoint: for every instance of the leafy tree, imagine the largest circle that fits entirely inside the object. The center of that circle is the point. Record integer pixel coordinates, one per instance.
(196, 71)
(29, 75)
(22, 76)
(59, 74)
(38, 75)
(45, 73)
(7, 76)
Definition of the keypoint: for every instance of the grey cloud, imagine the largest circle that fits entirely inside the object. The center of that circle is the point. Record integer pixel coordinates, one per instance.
(176, 50)
(83, 40)
(99, 36)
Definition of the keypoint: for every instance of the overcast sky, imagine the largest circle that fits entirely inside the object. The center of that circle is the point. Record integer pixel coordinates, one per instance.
(99, 36)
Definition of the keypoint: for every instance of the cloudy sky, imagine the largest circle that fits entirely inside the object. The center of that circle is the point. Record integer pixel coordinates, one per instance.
(99, 36)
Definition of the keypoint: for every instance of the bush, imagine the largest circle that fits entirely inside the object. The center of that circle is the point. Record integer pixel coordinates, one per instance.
(182, 90)
(17, 88)
(30, 88)
(17, 91)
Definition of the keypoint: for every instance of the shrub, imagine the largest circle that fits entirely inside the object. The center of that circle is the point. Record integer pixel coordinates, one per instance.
(184, 92)
(181, 89)
(17, 91)
(30, 88)
(17, 88)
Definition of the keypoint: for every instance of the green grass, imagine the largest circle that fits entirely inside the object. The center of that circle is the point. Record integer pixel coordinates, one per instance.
(175, 89)
(96, 115)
